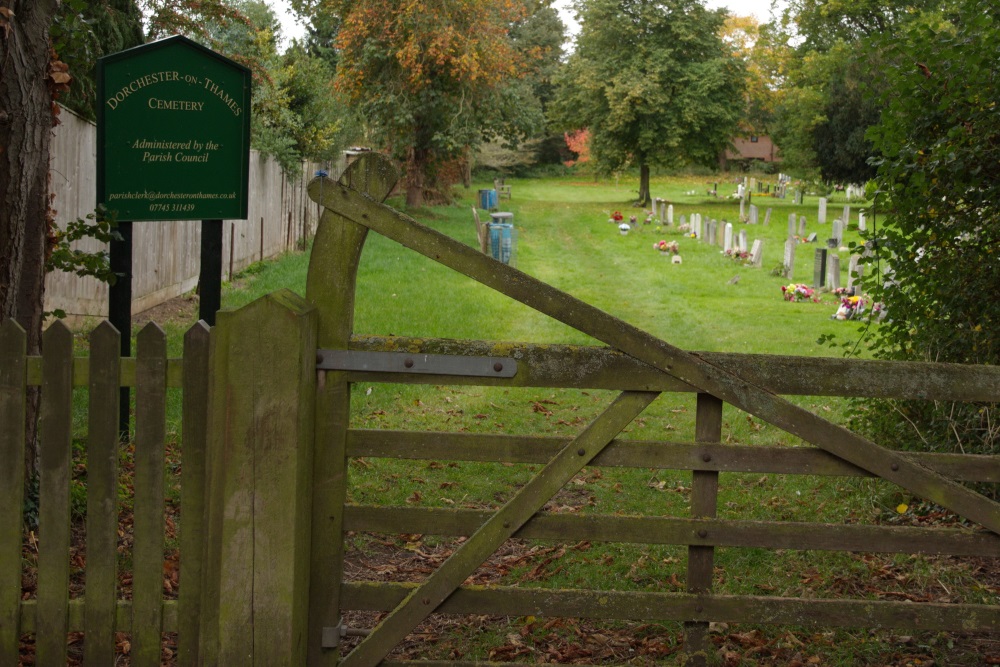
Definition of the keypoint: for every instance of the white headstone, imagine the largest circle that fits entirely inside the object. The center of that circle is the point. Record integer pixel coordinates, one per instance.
(757, 253)
(727, 238)
(792, 221)
(838, 231)
(676, 259)
(670, 214)
(862, 223)
(753, 214)
(742, 240)
(855, 270)
(802, 225)
(822, 210)
(789, 260)
(833, 271)
(846, 217)
(767, 217)
(743, 209)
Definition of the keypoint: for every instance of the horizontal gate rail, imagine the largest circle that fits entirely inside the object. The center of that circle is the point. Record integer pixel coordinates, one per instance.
(697, 532)
(641, 606)
(429, 445)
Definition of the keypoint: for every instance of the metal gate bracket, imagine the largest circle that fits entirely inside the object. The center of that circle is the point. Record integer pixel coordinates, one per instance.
(422, 364)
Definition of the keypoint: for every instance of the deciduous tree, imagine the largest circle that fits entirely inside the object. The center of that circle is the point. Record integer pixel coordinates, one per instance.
(431, 76)
(653, 82)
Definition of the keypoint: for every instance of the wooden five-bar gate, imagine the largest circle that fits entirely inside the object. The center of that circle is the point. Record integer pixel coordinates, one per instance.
(266, 442)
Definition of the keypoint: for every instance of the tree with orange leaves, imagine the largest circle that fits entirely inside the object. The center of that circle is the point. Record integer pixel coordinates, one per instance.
(431, 76)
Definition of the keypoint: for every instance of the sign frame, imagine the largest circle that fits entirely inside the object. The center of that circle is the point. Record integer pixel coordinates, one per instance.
(173, 133)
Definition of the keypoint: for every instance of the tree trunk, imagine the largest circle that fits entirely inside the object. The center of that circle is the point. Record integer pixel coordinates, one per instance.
(416, 176)
(644, 197)
(25, 137)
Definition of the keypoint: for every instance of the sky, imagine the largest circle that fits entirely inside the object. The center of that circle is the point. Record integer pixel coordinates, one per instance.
(758, 8)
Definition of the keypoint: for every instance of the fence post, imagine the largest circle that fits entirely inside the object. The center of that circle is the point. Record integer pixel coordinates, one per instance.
(704, 499)
(258, 512)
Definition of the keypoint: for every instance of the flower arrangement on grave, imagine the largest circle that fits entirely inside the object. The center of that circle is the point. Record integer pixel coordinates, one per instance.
(616, 217)
(666, 247)
(850, 308)
(684, 229)
(737, 255)
(650, 217)
(624, 228)
(798, 292)
(632, 220)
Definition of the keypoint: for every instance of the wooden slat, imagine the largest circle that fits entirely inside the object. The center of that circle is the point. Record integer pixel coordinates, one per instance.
(13, 345)
(193, 488)
(635, 606)
(147, 552)
(332, 283)
(102, 496)
(78, 612)
(435, 445)
(589, 367)
(704, 505)
(692, 369)
(505, 522)
(667, 530)
(126, 378)
(54, 502)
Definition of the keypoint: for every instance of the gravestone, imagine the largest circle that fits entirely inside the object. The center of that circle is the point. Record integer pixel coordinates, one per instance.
(670, 214)
(799, 196)
(838, 231)
(753, 214)
(846, 217)
(720, 233)
(683, 220)
(792, 220)
(743, 209)
(789, 260)
(709, 232)
(822, 210)
(767, 216)
(727, 237)
(833, 272)
(742, 243)
(757, 253)
(802, 226)
(696, 225)
(862, 223)
(855, 271)
(812, 238)
(819, 268)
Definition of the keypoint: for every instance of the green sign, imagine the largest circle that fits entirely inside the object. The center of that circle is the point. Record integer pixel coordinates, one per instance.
(173, 133)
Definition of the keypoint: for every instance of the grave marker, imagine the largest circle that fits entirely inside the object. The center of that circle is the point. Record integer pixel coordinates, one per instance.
(767, 216)
(753, 214)
(862, 223)
(819, 268)
(789, 260)
(792, 220)
(846, 217)
(822, 210)
(727, 237)
(757, 253)
(838, 231)
(833, 272)
(742, 240)
(802, 226)
(670, 214)
(855, 271)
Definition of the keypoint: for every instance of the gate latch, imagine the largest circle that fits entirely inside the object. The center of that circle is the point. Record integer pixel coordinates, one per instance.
(421, 364)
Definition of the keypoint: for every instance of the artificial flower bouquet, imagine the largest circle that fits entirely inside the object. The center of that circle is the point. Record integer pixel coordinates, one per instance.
(798, 292)
(667, 247)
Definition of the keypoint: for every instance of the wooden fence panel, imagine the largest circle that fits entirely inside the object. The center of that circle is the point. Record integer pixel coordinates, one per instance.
(102, 496)
(13, 374)
(193, 488)
(147, 552)
(54, 500)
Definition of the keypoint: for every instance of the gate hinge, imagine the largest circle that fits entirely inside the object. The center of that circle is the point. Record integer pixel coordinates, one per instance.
(332, 636)
(422, 364)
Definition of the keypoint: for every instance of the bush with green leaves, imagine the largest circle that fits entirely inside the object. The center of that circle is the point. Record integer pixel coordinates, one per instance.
(936, 266)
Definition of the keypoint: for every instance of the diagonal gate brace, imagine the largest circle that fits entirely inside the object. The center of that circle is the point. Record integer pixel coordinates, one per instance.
(423, 600)
(687, 367)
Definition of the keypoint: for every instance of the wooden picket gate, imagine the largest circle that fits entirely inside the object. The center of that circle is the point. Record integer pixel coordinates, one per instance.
(267, 438)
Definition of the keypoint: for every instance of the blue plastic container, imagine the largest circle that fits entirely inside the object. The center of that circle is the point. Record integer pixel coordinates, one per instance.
(488, 200)
(502, 242)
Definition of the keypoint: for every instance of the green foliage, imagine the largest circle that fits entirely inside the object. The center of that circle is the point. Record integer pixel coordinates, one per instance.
(100, 226)
(940, 184)
(654, 83)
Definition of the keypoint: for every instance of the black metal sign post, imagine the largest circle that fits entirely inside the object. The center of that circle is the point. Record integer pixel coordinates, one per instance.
(173, 143)
(210, 276)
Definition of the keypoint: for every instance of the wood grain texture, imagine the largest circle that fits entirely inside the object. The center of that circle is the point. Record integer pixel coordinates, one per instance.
(148, 516)
(102, 496)
(55, 434)
(13, 369)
